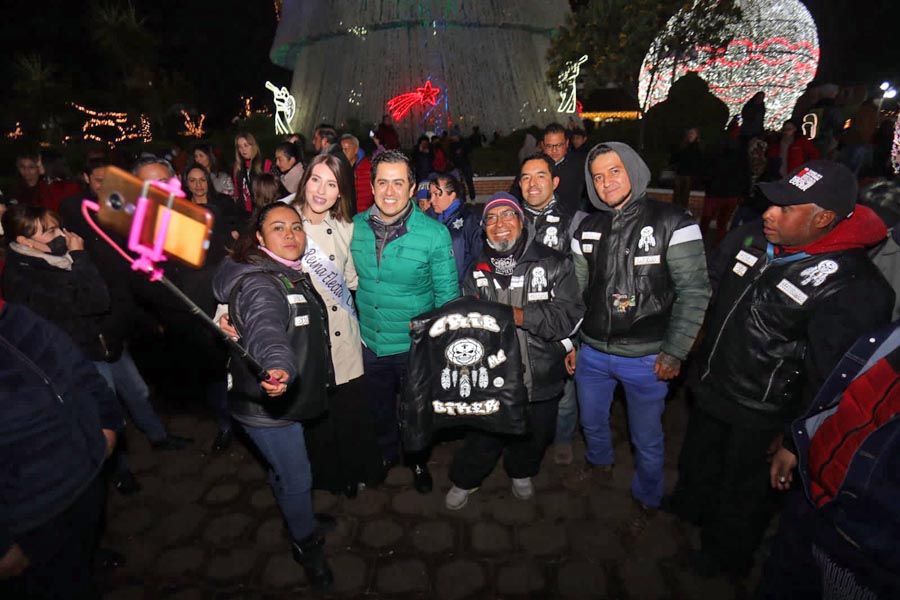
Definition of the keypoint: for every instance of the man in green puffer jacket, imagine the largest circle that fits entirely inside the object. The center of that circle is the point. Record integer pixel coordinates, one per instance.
(405, 264)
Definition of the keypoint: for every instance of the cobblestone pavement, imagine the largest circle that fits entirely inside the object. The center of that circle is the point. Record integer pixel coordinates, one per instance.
(207, 527)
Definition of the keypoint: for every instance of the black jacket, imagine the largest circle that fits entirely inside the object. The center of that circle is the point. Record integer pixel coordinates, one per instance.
(571, 190)
(544, 286)
(641, 260)
(77, 301)
(554, 226)
(53, 405)
(779, 325)
(464, 368)
(283, 324)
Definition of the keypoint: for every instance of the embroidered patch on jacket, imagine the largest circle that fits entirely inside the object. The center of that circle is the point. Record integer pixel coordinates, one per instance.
(458, 223)
(647, 240)
(552, 219)
(517, 281)
(551, 237)
(819, 273)
(746, 258)
(533, 296)
(591, 235)
(646, 260)
(622, 302)
(587, 248)
(740, 269)
(301, 321)
(792, 291)
(538, 279)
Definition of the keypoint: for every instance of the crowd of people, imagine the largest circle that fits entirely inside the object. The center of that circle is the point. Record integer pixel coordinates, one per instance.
(318, 264)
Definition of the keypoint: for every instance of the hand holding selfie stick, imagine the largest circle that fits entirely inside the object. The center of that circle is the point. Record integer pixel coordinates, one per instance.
(150, 256)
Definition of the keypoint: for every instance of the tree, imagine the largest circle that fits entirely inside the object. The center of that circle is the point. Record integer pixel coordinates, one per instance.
(616, 36)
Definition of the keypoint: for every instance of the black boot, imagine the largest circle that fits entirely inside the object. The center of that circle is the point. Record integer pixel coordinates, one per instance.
(310, 553)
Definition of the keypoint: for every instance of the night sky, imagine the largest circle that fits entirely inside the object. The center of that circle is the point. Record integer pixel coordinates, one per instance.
(222, 47)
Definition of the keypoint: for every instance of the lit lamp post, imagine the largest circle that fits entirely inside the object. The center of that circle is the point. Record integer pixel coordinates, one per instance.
(886, 92)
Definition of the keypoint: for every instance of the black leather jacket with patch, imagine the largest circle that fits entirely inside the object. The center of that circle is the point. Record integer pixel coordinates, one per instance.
(554, 226)
(633, 283)
(464, 368)
(543, 284)
(779, 325)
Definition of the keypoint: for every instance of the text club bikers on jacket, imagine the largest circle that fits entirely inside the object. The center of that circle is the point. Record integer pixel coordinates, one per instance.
(466, 364)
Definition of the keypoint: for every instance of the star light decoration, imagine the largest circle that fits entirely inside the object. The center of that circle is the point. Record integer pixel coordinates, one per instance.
(566, 83)
(126, 128)
(774, 49)
(402, 104)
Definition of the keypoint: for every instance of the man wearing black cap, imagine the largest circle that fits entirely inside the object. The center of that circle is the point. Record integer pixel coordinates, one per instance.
(790, 298)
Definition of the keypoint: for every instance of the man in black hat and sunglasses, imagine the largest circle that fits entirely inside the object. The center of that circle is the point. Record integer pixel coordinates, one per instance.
(791, 295)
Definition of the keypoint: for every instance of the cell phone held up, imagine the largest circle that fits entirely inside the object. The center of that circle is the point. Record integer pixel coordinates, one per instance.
(189, 228)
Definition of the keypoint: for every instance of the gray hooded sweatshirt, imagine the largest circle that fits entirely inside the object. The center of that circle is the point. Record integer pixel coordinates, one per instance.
(685, 259)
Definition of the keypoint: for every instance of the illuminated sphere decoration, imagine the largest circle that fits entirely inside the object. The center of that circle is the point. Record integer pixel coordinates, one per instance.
(774, 49)
(430, 63)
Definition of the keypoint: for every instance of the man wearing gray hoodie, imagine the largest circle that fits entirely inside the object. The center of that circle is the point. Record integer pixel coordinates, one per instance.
(641, 266)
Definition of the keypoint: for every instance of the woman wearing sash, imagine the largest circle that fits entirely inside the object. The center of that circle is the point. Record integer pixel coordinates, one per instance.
(342, 447)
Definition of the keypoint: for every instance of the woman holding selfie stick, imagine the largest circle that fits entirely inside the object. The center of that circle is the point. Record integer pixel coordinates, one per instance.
(342, 446)
(282, 322)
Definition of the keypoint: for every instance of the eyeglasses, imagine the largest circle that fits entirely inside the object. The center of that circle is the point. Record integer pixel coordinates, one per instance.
(554, 146)
(507, 216)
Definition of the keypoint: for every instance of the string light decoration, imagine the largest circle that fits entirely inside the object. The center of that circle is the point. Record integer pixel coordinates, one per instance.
(609, 116)
(192, 129)
(774, 49)
(15, 133)
(566, 83)
(402, 104)
(125, 128)
(895, 148)
(488, 59)
(285, 107)
(246, 111)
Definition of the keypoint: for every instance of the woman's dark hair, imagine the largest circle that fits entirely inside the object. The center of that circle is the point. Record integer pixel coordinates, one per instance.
(210, 190)
(22, 219)
(451, 183)
(265, 189)
(247, 246)
(206, 149)
(291, 150)
(341, 208)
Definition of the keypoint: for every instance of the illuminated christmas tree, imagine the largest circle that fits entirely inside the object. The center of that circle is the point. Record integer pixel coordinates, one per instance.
(485, 59)
(774, 48)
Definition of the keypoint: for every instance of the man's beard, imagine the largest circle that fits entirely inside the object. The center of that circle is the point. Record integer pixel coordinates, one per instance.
(503, 245)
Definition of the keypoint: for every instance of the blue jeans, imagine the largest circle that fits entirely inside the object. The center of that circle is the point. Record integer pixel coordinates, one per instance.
(124, 378)
(290, 475)
(596, 377)
(567, 416)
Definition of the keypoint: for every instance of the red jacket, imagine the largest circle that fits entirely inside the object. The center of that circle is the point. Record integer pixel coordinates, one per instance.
(800, 151)
(362, 175)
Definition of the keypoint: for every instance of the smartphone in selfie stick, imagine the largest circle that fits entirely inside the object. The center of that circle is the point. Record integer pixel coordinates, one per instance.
(158, 222)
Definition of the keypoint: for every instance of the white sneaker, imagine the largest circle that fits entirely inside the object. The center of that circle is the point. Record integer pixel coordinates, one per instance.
(457, 497)
(523, 489)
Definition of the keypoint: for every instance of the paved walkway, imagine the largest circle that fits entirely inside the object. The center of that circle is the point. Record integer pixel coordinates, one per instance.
(208, 527)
